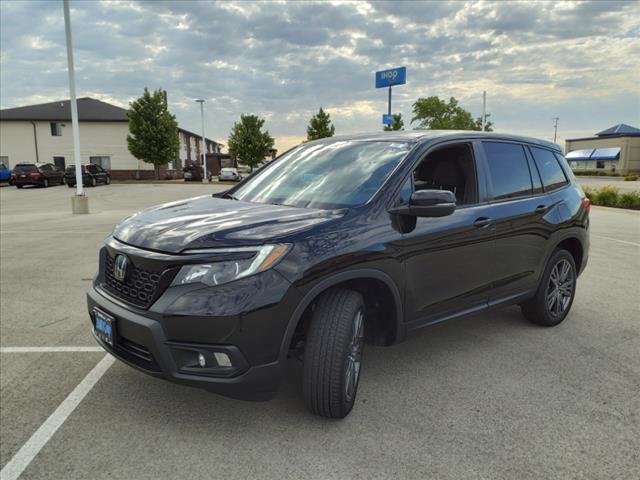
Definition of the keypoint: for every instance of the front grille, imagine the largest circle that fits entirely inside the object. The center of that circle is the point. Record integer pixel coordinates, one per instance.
(138, 288)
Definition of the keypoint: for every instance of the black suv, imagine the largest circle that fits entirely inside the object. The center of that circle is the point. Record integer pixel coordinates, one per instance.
(92, 175)
(337, 243)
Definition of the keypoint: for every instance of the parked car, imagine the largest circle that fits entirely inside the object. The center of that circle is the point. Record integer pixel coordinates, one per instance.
(92, 175)
(378, 236)
(229, 174)
(5, 173)
(40, 174)
(192, 173)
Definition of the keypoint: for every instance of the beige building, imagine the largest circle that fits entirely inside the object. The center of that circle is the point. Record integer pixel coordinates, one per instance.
(614, 150)
(42, 133)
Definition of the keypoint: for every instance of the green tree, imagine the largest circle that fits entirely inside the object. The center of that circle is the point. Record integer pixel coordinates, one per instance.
(247, 142)
(320, 126)
(153, 130)
(398, 123)
(433, 113)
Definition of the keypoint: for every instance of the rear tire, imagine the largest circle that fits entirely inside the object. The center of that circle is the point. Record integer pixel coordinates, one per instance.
(556, 291)
(70, 185)
(19, 186)
(333, 353)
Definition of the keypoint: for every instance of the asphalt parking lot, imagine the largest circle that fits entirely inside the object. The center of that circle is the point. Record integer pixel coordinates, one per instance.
(487, 397)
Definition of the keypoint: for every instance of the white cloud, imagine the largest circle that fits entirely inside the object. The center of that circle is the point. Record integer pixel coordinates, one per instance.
(576, 60)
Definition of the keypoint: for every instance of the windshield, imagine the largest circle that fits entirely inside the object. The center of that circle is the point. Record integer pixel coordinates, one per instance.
(327, 175)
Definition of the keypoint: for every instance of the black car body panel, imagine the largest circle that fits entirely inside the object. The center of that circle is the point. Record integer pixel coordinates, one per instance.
(489, 252)
(207, 222)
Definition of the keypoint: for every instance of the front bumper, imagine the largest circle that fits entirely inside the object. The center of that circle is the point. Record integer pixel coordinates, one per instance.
(143, 343)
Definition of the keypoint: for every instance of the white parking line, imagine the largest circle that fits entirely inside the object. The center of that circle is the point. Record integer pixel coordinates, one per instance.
(49, 349)
(616, 240)
(21, 460)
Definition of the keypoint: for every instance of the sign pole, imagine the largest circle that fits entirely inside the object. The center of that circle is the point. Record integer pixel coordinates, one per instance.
(389, 108)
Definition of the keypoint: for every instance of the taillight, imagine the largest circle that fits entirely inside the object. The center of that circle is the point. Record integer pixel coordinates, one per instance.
(13, 175)
(586, 203)
(85, 170)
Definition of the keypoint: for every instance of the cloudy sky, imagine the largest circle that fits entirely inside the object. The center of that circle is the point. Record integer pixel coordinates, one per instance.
(579, 61)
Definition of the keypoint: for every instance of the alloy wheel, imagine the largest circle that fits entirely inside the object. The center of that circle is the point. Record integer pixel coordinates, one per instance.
(354, 357)
(560, 288)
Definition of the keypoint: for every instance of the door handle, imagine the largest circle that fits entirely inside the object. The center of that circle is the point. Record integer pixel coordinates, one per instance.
(541, 209)
(482, 222)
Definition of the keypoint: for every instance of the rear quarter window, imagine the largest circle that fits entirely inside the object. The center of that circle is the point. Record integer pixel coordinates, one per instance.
(551, 172)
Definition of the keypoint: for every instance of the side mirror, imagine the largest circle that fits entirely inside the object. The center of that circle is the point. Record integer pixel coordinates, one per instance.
(428, 203)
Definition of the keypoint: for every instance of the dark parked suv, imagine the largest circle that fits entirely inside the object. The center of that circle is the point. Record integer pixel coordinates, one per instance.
(92, 175)
(337, 243)
(39, 174)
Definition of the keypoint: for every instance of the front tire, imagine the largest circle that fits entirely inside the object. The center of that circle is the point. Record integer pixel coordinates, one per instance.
(333, 353)
(107, 181)
(556, 291)
(45, 183)
(93, 182)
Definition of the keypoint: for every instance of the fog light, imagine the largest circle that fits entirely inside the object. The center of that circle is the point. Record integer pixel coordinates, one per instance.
(201, 360)
(222, 359)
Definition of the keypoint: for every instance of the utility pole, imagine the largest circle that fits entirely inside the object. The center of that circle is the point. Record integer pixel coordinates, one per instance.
(79, 203)
(204, 140)
(555, 128)
(484, 109)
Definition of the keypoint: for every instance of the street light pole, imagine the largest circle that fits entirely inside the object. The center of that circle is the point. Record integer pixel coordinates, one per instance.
(555, 128)
(79, 203)
(204, 140)
(484, 109)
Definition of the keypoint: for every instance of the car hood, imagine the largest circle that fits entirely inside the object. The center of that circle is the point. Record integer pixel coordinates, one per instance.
(209, 222)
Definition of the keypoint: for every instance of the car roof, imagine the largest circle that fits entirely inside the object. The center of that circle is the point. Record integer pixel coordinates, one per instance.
(426, 136)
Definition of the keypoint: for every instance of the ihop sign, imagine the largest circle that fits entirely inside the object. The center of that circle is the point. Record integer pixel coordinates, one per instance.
(393, 76)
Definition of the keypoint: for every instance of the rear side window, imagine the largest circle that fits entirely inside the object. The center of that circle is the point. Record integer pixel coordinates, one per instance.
(552, 175)
(508, 170)
(92, 168)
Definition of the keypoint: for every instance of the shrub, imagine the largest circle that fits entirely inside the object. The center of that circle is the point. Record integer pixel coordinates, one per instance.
(629, 200)
(595, 173)
(607, 196)
(632, 177)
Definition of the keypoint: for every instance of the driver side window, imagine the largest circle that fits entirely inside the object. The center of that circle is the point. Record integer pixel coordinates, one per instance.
(449, 168)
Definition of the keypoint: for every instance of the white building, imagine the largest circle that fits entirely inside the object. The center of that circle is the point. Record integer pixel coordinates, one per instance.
(42, 133)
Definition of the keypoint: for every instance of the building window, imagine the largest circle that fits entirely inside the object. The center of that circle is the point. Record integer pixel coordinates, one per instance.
(56, 129)
(103, 161)
(4, 161)
(600, 164)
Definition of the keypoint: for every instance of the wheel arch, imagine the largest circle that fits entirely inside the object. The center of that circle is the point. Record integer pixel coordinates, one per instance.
(356, 280)
(574, 246)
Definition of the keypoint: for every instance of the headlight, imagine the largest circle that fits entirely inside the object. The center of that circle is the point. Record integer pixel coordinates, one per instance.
(254, 260)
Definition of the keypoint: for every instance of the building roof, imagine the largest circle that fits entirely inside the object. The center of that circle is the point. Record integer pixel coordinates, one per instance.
(89, 110)
(620, 129)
